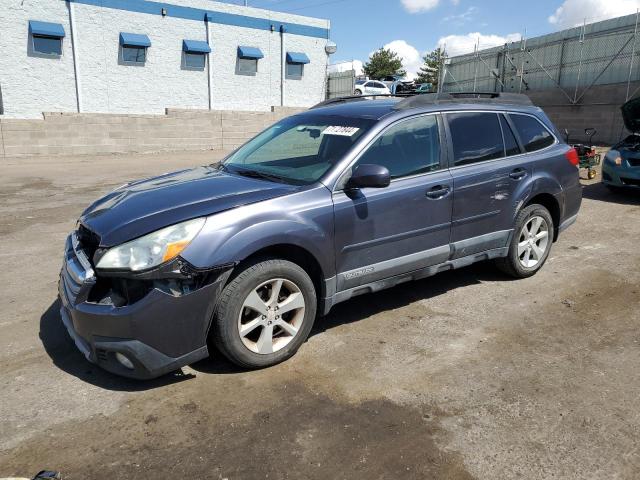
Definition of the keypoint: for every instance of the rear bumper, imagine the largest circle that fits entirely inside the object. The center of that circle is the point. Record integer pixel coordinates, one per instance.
(157, 334)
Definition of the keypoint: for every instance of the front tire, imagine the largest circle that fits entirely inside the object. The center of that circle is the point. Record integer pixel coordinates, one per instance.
(530, 244)
(264, 314)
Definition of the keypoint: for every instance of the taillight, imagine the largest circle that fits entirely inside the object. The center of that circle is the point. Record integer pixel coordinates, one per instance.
(572, 157)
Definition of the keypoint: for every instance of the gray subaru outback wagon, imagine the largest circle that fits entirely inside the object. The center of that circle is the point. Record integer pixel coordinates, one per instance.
(347, 198)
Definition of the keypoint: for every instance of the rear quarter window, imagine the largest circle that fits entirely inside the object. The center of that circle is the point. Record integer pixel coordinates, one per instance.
(533, 134)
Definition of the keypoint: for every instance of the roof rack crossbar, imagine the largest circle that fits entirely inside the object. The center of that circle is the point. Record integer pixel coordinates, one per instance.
(468, 97)
(355, 98)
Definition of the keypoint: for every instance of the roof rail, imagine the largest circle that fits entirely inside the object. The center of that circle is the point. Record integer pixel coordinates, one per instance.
(355, 98)
(416, 101)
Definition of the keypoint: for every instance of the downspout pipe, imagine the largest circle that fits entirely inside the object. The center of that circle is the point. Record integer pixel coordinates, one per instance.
(74, 50)
(209, 82)
(283, 60)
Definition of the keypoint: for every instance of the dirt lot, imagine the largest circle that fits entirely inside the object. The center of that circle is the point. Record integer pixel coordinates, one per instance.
(464, 375)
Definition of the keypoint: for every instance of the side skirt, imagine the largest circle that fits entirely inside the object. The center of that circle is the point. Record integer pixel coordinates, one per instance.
(418, 274)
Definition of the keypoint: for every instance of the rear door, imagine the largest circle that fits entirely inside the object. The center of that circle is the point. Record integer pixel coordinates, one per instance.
(488, 170)
(382, 232)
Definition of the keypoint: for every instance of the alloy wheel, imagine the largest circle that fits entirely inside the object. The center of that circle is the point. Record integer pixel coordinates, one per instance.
(533, 241)
(271, 316)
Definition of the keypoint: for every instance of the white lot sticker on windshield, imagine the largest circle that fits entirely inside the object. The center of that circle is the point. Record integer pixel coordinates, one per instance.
(337, 130)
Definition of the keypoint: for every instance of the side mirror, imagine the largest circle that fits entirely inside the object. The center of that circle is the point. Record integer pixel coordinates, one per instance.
(369, 176)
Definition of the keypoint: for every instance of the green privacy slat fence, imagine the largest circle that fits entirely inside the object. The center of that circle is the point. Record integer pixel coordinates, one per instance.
(571, 60)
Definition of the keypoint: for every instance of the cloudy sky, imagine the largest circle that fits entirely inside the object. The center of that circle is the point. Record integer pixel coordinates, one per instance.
(413, 27)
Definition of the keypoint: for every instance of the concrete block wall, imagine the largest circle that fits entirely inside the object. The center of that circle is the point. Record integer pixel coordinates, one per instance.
(91, 134)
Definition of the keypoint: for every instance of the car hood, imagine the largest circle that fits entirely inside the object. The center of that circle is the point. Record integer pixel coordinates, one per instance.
(144, 206)
(631, 115)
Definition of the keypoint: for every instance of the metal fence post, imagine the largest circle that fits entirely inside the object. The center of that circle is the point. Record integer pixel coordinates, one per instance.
(633, 52)
(475, 73)
(575, 93)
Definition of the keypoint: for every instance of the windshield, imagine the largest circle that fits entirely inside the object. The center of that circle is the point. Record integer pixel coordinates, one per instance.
(298, 150)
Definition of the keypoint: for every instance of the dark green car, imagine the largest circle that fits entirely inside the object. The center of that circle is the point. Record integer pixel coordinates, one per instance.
(425, 88)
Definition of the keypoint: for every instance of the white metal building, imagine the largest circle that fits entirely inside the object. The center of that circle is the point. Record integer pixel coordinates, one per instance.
(138, 56)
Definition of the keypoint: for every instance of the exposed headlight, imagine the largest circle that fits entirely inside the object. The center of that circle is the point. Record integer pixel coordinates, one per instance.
(152, 249)
(614, 157)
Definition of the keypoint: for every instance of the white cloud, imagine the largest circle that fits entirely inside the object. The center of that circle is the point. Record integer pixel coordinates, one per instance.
(574, 12)
(460, 44)
(411, 57)
(460, 18)
(419, 6)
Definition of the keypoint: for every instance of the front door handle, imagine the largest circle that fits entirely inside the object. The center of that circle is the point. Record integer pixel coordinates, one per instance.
(438, 192)
(518, 174)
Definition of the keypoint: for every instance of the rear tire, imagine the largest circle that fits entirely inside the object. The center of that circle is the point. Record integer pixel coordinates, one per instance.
(265, 313)
(530, 243)
(357, 93)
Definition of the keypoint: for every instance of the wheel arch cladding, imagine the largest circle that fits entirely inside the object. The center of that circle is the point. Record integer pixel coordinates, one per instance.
(550, 203)
(294, 254)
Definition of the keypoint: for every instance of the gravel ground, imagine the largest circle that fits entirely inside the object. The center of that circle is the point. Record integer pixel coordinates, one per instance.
(464, 375)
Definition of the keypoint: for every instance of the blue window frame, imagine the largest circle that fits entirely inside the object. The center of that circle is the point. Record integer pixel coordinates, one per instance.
(195, 54)
(46, 38)
(133, 48)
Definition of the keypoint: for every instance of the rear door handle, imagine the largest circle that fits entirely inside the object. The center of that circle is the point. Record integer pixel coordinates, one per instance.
(518, 174)
(438, 192)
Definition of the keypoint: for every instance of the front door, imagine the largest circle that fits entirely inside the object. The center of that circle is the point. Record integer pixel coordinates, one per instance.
(382, 232)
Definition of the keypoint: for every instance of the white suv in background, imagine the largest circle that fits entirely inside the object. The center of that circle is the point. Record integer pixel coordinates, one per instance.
(371, 87)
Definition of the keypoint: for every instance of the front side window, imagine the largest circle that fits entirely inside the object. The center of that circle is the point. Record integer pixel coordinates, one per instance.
(134, 54)
(476, 137)
(247, 66)
(298, 150)
(47, 45)
(408, 148)
(533, 134)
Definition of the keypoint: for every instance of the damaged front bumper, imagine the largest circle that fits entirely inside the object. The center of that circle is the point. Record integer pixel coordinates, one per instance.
(159, 331)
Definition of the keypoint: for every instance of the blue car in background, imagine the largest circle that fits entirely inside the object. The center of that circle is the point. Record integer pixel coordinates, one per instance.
(621, 166)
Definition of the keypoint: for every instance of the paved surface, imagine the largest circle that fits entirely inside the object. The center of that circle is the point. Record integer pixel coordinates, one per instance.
(464, 375)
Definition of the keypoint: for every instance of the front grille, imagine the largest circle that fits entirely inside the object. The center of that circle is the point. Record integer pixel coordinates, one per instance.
(631, 181)
(102, 355)
(633, 162)
(76, 277)
(88, 241)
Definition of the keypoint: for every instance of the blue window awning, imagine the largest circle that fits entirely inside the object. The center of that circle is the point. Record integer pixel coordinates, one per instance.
(250, 52)
(134, 40)
(46, 29)
(297, 57)
(195, 46)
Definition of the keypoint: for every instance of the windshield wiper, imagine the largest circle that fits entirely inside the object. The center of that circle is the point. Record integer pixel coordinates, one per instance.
(258, 174)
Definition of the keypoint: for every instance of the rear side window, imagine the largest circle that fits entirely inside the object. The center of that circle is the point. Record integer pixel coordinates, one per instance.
(407, 148)
(533, 134)
(476, 137)
(510, 143)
